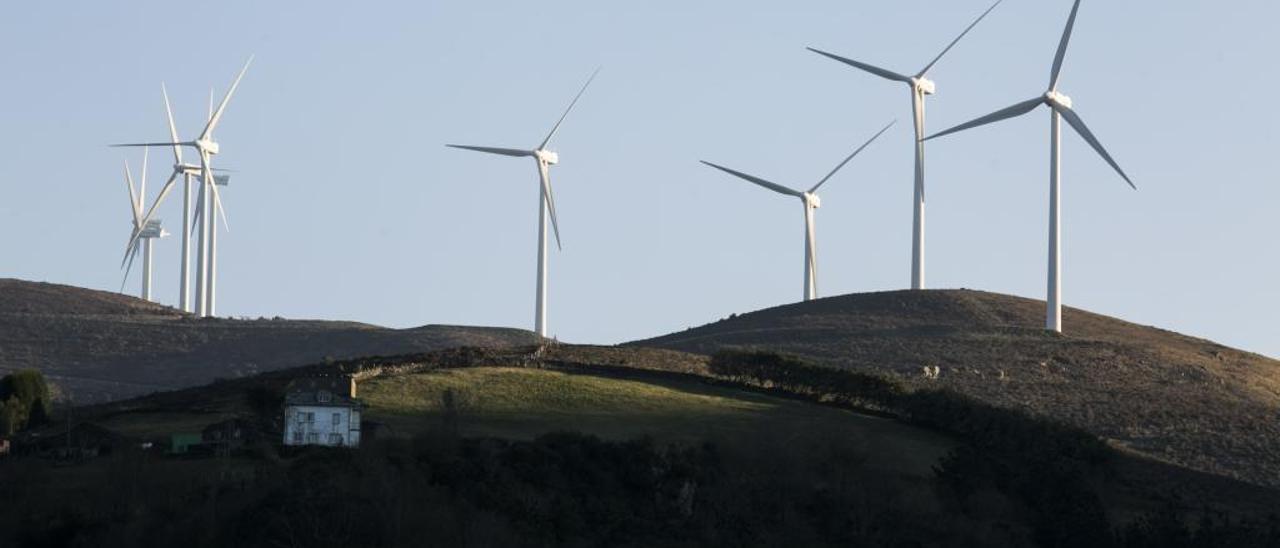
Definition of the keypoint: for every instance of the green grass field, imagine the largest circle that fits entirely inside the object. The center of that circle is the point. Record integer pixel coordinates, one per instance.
(524, 403)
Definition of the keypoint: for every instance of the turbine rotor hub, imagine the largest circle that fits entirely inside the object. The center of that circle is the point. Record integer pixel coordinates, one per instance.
(924, 85)
(812, 201)
(207, 145)
(546, 156)
(1057, 99)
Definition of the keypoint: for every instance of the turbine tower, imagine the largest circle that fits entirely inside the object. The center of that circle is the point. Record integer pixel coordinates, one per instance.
(143, 233)
(546, 203)
(811, 202)
(920, 88)
(187, 172)
(206, 147)
(1060, 108)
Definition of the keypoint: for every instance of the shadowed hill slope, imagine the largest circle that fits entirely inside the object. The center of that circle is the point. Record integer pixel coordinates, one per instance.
(100, 346)
(1184, 400)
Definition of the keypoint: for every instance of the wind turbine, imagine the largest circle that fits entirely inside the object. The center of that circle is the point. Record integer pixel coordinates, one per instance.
(546, 202)
(1060, 108)
(811, 202)
(920, 88)
(143, 232)
(187, 172)
(206, 147)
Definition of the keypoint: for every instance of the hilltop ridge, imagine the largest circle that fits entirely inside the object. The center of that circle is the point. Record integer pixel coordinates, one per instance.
(1176, 398)
(100, 346)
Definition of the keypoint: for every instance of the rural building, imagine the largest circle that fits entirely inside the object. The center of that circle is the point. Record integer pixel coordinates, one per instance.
(230, 434)
(180, 443)
(322, 411)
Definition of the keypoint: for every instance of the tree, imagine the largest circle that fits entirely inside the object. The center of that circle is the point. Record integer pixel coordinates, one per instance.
(26, 398)
(11, 416)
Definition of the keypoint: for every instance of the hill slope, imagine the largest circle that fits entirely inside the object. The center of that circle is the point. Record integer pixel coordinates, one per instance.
(100, 346)
(1169, 396)
(780, 467)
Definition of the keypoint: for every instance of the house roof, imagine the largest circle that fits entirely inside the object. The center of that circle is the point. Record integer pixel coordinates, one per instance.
(311, 391)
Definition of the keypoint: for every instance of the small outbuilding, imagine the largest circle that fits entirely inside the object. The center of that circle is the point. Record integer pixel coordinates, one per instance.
(322, 411)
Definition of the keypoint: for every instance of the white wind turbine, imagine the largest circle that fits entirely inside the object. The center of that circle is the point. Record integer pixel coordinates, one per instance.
(546, 203)
(205, 145)
(1060, 108)
(920, 87)
(811, 201)
(187, 172)
(143, 231)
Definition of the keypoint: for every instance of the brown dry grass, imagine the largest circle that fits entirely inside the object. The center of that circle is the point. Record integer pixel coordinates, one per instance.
(1175, 398)
(99, 346)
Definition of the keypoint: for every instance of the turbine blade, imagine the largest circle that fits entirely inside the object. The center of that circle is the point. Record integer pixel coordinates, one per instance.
(217, 198)
(545, 176)
(199, 214)
(1062, 47)
(751, 178)
(957, 40)
(169, 144)
(142, 182)
(133, 196)
(556, 128)
(173, 128)
(850, 157)
(1080, 127)
(217, 114)
(883, 73)
(493, 150)
(1011, 112)
(130, 255)
(164, 191)
(128, 248)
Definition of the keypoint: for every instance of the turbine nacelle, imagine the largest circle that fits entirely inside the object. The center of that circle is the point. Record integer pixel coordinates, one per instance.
(152, 230)
(207, 145)
(924, 85)
(1056, 100)
(811, 200)
(546, 156)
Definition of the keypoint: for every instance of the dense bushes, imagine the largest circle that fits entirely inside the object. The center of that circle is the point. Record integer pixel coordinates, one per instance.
(558, 490)
(24, 401)
(791, 375)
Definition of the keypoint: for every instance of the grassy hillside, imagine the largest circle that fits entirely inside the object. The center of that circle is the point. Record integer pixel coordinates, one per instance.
(526, 403)
(1184, 400)
(688, 456)
(99, 346)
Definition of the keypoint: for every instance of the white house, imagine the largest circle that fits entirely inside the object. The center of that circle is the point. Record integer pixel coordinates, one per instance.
(322, 411)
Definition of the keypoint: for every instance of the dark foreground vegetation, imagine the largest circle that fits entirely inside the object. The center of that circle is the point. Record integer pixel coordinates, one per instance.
(559, 490)
(25, 401)
(1013, 480)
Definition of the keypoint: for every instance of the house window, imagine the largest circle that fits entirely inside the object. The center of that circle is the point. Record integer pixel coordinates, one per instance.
(313, 438)
(337, 419)
(335, 439)
(311, 417)
(297, 437)
(323, 396)
(302, 417)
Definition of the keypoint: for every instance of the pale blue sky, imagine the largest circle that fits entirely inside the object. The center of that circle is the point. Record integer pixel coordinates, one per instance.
(348, 206)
